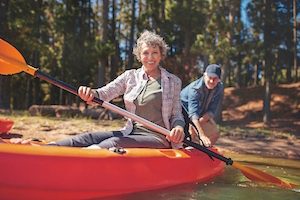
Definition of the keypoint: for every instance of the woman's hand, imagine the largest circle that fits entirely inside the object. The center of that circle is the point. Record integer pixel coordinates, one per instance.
(87, 94)
(176, 135)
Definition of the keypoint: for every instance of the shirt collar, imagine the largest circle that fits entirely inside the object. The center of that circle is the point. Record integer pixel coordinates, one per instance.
(143, 75)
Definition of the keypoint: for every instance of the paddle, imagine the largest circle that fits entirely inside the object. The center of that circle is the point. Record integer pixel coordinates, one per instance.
(12, 62)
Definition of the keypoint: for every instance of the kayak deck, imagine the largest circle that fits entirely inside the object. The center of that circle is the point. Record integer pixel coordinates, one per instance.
(48, 172)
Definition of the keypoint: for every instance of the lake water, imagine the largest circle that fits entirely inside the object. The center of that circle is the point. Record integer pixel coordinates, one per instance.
(232, 184)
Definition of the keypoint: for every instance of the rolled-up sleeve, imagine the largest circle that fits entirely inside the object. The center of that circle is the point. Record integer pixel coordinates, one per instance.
(193, 103)
(113, 89)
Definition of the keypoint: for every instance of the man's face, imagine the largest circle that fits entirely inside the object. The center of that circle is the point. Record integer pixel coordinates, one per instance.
(211, 81)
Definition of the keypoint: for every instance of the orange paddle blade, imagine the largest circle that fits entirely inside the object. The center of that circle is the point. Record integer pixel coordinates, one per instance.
(8, 52)
(260, 176)
(12, 61)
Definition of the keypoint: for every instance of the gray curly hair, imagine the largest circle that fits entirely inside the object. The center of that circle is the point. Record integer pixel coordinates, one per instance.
(152, 39)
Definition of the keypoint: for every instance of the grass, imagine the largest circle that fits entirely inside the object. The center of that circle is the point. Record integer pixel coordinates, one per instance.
(53, 128)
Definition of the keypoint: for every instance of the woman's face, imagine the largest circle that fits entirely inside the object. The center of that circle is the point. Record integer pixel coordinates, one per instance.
(150, 56)
(211, 82)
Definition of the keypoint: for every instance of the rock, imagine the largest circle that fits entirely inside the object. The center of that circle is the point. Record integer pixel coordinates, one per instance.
(71, 111)
(54, 111)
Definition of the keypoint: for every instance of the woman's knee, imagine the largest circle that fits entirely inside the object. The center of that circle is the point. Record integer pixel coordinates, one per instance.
(81, 140)
(111, 142)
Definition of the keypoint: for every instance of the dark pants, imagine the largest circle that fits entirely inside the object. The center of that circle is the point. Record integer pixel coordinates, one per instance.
(115, 139)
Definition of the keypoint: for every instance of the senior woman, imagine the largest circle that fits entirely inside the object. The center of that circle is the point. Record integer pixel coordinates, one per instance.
(149, 91)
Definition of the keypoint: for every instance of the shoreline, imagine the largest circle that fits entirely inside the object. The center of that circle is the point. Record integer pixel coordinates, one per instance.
(232, 145)
(243, 142)
(264, 147)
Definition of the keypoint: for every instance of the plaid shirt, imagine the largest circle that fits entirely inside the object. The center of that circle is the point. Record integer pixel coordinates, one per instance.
(132, 82)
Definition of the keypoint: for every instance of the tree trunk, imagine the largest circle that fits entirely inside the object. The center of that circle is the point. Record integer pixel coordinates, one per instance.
(239, 44)
(268, 66)
(4, 80)
(28, 93)
(255, 81)
(115, 61)
(295, 39)
(103, 60)
(5, 92)
(226, 66)
(289, 45)
(131, 37)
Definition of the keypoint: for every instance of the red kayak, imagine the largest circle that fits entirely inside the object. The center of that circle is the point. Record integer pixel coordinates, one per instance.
(46, 172)
(5, 125)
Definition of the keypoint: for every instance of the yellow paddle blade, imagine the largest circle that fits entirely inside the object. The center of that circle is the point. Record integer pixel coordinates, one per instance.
(260, 176)
(12, 61)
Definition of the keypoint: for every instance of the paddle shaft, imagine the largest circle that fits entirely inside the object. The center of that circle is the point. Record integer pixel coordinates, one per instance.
(102, 103)
(206, 150)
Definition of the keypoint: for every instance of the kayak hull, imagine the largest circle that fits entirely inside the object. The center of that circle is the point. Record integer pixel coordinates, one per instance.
(5, 125)
(33, 172)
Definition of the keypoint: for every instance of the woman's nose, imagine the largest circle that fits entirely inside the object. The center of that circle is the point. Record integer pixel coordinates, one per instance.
(151, 55)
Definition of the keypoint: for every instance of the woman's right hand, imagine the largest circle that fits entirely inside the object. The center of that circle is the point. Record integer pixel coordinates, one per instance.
(87, 94)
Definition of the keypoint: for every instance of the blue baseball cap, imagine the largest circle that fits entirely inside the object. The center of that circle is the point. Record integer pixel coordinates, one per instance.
(213, 70)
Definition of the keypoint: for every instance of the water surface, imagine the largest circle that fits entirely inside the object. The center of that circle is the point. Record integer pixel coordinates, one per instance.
(232, 184)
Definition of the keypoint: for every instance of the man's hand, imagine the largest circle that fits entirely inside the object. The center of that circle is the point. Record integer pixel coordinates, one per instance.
(205, 118)
(206, 141)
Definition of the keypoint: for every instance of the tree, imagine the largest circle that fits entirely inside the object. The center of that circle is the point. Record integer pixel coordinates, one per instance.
(103, 57)
(263, 16)
(295, 39)
(218, 43)
(4, 80)
(131, 36)
(26, 29)
(89, 42)
(115, 29)
(268, 64)
(187, 19)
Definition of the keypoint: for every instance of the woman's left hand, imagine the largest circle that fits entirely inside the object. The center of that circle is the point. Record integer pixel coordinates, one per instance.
(176, 135)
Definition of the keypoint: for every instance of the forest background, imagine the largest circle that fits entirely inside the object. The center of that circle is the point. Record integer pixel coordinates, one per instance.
(87, 42)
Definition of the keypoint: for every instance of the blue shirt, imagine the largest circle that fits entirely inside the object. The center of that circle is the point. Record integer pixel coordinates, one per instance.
(197, 99)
